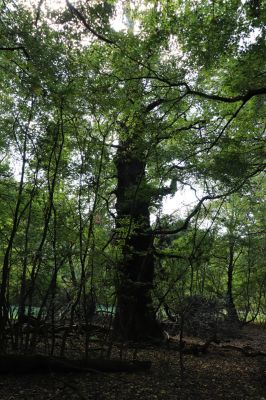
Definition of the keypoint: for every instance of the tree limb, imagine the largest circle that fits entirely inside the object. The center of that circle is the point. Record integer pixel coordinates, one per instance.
(185, 225)
(80, 17)
(16, 48)
(245, 97)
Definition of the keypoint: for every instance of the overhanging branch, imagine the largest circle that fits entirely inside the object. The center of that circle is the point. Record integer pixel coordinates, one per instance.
(188, 91)
(15, 48)
(244, 98)
(185, 224)
(81, 18)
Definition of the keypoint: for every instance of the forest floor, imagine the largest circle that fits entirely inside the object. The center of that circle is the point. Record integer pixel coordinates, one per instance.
(224, 372)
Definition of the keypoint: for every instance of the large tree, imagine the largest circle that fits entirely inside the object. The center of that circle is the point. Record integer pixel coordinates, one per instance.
(180, 100)
(188, 108)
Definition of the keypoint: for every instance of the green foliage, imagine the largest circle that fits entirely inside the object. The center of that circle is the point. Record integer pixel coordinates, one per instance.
(70, 100)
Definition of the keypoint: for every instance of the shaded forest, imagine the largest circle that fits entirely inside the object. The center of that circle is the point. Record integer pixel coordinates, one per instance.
(132, 198)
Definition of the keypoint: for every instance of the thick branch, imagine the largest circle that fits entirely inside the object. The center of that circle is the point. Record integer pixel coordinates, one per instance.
(245, 97)
(185, 225)
(38, 12)
(76, 12)
(154, 104)
(161, 254)
(188, 219)
(16, 48)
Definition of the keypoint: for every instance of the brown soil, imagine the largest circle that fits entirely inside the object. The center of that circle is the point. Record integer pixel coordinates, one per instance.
(223, 373)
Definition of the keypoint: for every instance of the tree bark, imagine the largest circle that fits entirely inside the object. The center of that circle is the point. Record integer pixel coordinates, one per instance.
(135, 318)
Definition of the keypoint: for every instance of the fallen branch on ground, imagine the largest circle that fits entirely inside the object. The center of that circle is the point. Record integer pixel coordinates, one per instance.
(245, 350)
(22, 364)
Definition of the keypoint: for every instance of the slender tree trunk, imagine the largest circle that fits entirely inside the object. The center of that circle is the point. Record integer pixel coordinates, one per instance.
(135, 317)
(4, 306)
(231, 309)
(52, 180)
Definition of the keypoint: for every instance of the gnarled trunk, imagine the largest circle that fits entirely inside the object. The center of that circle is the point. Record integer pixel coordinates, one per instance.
(135, 317)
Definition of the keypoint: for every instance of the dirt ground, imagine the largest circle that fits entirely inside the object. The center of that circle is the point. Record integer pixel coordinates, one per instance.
(222, 373)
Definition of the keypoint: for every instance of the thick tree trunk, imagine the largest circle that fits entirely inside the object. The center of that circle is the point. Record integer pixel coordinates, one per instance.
(135, 317)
